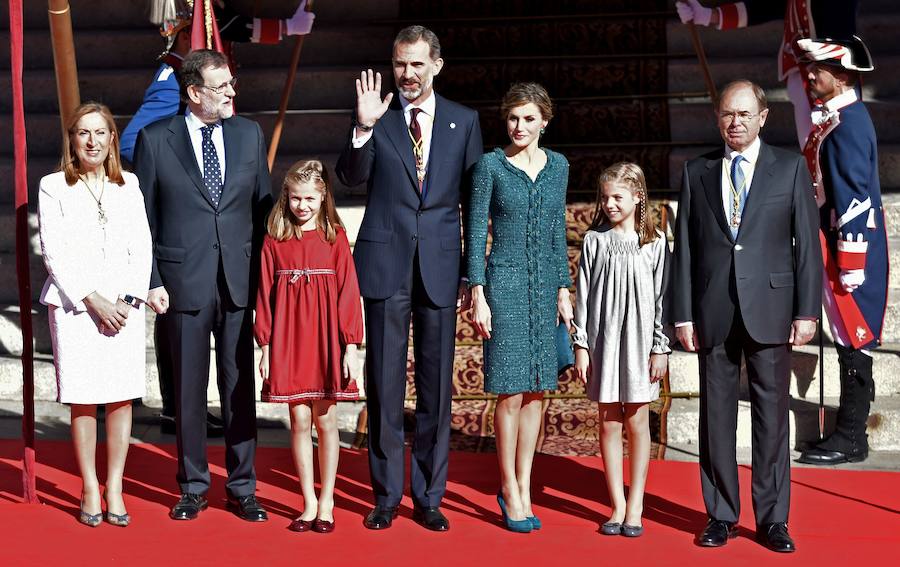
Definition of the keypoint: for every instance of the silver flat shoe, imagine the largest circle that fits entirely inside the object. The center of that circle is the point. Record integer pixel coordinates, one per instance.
(611, 528)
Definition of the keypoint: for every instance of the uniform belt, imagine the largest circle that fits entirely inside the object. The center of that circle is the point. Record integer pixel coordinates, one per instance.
(297, 274)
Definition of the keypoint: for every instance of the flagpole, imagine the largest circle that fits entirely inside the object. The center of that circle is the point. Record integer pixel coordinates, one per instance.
(286, 95)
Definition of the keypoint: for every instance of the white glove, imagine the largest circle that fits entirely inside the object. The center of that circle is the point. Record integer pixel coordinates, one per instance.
(301, 22)
(852, 279)
(693, 11)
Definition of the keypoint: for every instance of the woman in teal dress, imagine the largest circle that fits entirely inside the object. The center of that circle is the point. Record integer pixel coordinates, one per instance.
(521, 292)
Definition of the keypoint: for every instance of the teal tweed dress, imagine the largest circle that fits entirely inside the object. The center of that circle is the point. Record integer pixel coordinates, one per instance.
(526, 267)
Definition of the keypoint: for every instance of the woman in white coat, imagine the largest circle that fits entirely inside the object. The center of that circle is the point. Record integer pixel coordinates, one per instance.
(96, 245)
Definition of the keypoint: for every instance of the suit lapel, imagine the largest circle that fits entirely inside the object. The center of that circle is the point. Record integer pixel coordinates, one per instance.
(180, 142)
(760, 184)
(232, 144)
(398, 133)
(712, 185)
(440, 135)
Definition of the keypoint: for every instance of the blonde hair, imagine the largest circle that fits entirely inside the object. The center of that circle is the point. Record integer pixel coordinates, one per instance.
(631, 176)
(282, 224)
(69, 164)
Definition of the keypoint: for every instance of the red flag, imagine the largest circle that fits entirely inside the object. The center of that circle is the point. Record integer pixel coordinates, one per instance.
(201, 29)
(29, 493)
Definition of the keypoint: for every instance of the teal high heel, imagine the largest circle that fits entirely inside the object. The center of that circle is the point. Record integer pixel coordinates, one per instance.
(535, 522)
(518, 526)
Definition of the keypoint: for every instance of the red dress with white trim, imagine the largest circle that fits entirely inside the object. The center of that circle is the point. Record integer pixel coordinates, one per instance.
(308, 309)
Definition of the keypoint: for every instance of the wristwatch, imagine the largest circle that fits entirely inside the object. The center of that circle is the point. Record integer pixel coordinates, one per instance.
(131, 300)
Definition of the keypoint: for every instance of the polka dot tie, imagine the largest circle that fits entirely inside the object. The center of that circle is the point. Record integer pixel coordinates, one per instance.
(212, 173)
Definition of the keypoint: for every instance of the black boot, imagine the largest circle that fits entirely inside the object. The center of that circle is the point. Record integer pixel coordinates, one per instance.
(849, 442)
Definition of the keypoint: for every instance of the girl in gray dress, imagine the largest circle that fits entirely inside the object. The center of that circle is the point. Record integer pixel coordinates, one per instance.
(620, 348)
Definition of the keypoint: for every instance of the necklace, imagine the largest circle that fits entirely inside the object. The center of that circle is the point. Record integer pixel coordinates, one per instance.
(736, 193)
(101, 214)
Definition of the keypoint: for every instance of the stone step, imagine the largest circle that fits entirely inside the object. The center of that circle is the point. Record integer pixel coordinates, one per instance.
(884, 422)
(684, 372)
(316, 87)
(888, 163)
(329, 44)
(683, 417)
(878, 30)
(9, 294)
(9, 287)
(684, 74)
(304, 132)
(693, 120)
(39, 166)
(45, 378)
(118, 14)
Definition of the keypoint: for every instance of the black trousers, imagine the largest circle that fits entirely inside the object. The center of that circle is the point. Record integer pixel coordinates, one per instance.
(434, 338)
(768, 370)
(163, 347)
(189, 333)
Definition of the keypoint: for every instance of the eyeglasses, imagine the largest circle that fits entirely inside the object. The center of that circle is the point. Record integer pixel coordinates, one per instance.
(221, 88)
(742, 117)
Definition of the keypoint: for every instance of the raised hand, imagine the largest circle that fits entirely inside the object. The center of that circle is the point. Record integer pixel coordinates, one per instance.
(369, 104)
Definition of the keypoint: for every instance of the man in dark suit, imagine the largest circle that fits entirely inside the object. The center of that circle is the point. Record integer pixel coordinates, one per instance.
(207, 191)
(747, 283)
(413, 152)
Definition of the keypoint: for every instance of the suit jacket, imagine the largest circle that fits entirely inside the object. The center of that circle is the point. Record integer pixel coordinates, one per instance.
(771, 273)
(190, 235)
(399, 220)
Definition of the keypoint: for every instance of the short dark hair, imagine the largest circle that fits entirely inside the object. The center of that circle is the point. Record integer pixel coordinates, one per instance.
(522, 93)
(192, 68)
(412, 34)
(758, 93)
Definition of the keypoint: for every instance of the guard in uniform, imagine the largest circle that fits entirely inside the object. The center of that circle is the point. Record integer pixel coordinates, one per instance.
(802, 19)
(842, 156)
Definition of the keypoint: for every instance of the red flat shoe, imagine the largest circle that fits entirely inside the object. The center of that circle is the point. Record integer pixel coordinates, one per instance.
(323, 526)
(299, 525)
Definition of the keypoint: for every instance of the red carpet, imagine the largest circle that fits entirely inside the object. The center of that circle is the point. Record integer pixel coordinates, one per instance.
(838, 517)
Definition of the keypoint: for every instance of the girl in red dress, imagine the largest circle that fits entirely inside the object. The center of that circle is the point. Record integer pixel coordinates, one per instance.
(308, 324)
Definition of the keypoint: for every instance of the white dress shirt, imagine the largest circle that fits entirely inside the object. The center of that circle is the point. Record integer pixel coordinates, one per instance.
(425, 119)
(194, 125)
(747, 165)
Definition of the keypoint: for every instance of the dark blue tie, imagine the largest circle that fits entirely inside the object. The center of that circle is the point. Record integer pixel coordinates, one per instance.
(212, 172)
(737, 201)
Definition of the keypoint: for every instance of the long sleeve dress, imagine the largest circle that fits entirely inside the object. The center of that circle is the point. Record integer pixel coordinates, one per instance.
(618, 313)
(525, 270)
(307, 310)
(83, 256)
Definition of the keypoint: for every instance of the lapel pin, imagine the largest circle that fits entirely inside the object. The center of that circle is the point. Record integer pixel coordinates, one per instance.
(452, 125)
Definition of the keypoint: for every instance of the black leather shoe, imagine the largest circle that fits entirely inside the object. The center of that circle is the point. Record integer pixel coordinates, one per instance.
(380, 518)
(431, 518)
(717, 533)
(188, 507)
(775, 537)
(816, 456)
(247, 508)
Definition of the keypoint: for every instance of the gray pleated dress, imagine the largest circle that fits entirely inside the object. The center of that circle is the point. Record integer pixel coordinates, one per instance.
(618, 314)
